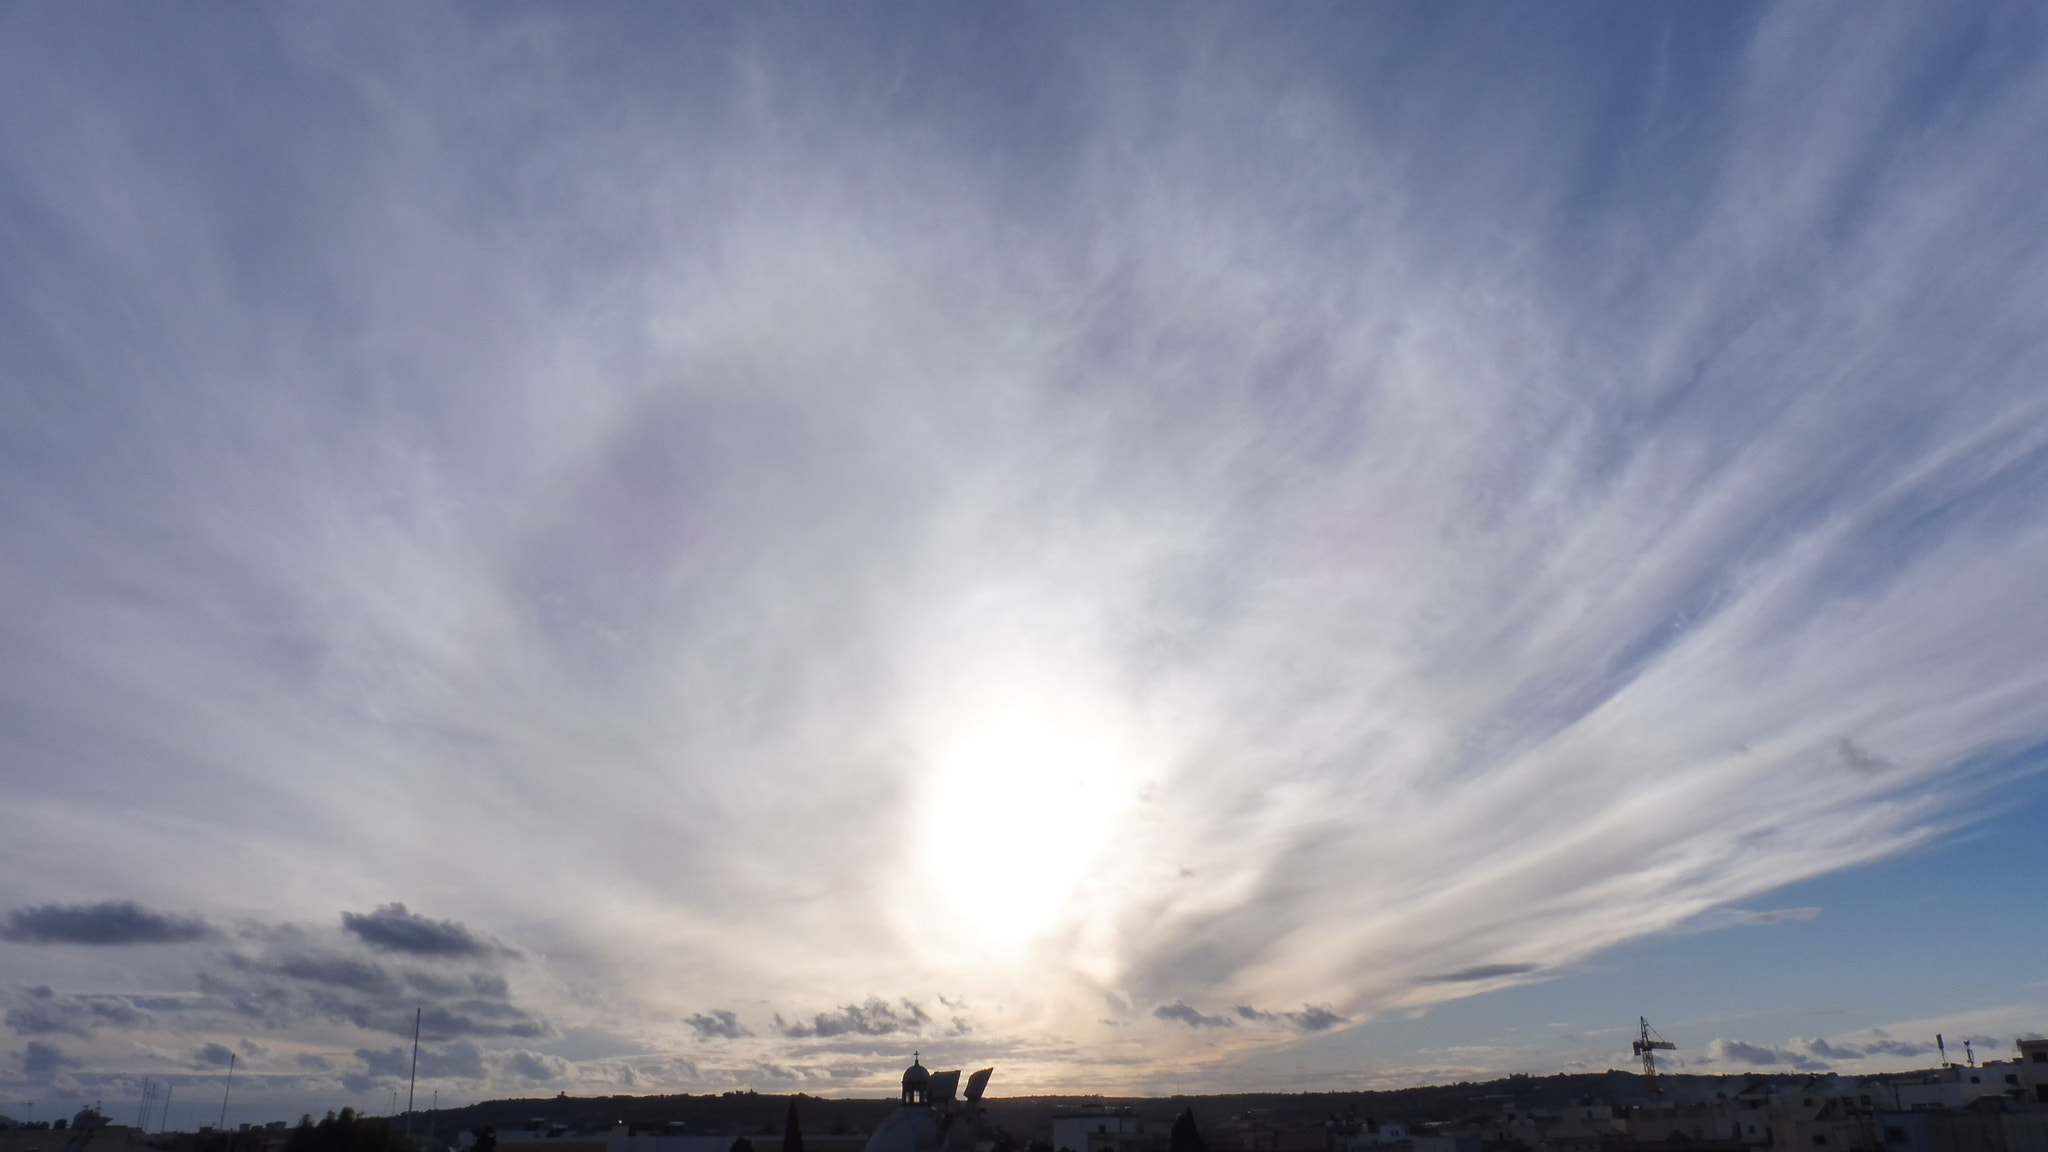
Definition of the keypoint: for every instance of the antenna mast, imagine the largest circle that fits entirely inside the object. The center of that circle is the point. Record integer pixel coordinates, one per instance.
(415, 1081)
(1648, 1048)
(225, 1089)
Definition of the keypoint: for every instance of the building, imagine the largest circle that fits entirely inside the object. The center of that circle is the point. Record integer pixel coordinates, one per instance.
(928, 1118)
(1098, 1129)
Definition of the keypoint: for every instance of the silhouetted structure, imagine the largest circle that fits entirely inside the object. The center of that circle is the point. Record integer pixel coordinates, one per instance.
(1184, 1137)
(792, 1135)
(929, 1118)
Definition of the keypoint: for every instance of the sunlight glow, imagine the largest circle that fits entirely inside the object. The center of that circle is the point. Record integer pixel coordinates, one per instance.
(1030, 780)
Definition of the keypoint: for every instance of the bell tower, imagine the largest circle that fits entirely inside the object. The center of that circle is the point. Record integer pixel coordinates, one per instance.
(916, 1081)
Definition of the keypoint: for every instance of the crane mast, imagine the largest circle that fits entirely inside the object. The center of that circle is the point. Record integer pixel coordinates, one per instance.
(1647, 1045)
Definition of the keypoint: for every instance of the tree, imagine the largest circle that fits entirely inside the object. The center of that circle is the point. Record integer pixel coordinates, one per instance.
(1184, 1138)
(347, 1132)
(486, 1140)
(792, 1135)
(742, 1145)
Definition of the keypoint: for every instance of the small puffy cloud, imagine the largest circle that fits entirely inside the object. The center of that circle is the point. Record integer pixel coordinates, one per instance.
(117, 1011)
(382, 1062)
(1189, 1016)
(337, 971)
(1890, 1047)
(40, 1061)
(211, 1055)
(1777, 916)
(1852, 755)
(1476, 974)
(1716, 919)
(1811, 1054)
(436, 985)
(1721, 1051)
(395, 929)
(44, 1012)
(487, 984)
(718, 1025)
(309, 982)
(1829, 1051)
(457, 1061)
(1311, 1018)
(874, 1018)
(481, 1018)
(110, 923)
(1881, 1045)
(533, 1065)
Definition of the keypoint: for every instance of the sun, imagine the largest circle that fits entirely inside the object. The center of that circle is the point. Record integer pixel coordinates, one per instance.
(1029, 781)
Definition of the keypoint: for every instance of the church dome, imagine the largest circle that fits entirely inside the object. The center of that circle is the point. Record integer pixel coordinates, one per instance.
(907, 1129)
(915, 1082)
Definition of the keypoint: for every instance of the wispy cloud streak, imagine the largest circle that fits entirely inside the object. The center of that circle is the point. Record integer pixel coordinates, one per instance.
(790, 511)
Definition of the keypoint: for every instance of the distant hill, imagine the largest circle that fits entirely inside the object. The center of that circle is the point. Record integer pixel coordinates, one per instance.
(1030, 1117)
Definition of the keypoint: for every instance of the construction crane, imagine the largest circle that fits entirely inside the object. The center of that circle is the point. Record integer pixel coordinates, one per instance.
(1647, 1048)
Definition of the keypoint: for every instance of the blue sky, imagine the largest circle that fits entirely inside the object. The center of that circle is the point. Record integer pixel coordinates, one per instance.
(1157, 548)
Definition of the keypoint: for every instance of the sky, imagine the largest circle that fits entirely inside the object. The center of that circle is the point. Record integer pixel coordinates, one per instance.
(1159, 548)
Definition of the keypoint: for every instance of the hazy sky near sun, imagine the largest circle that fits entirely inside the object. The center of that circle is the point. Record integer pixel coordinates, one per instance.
(712, 546)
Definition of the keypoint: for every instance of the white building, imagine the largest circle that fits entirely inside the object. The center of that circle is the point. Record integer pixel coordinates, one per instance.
(1097, 1129)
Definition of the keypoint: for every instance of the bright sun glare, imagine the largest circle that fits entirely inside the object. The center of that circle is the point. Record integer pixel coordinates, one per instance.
(1028, 783)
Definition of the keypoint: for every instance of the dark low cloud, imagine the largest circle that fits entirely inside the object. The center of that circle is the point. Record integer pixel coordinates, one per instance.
(110, 923)
(1896, 1048)
(534, 1065)
(393, 928)
(1311, 1018)
(1883, 1045)
(874, 1018)
(481, 1018)
(285, 986)
(40, 1061)
(452, 1061)
(718, 1025)
(211, 1055)
(1856, 757)
(1476, 974)
(338, 971)
(1189, 1016)
(1721, 1051)
(1812, 1055)
(42, 1011)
